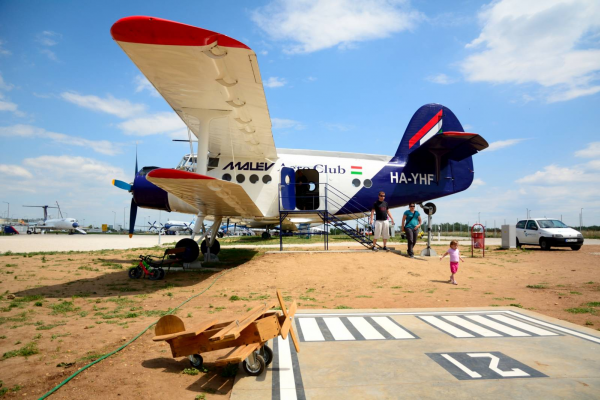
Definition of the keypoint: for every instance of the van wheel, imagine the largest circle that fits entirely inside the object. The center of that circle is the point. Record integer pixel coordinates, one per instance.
(575, 248)
(544, 244)
(518, 244)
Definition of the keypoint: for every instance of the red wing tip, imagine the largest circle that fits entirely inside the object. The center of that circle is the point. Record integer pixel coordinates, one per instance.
(167, 173)
(151, 30)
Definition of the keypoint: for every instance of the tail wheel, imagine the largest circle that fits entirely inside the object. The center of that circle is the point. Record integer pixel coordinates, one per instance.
(430, 208)
(191, 252)
(214, 249)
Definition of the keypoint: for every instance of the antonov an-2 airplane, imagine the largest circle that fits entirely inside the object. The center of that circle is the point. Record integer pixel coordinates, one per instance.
(214, 84)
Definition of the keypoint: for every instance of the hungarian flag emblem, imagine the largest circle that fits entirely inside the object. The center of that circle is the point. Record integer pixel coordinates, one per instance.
(355, 170)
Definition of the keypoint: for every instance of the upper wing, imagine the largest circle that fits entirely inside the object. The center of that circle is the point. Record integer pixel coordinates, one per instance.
(211, 196)
(204, 76)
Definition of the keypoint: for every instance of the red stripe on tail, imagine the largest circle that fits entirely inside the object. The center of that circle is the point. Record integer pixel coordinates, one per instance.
(426, 128)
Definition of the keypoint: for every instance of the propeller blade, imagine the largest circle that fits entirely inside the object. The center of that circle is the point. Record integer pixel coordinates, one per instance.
(121, 185)
(132, 215)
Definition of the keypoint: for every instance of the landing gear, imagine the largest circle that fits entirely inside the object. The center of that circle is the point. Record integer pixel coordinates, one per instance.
(266, 235)
(214, 249)
(191, 252)
(429, 209)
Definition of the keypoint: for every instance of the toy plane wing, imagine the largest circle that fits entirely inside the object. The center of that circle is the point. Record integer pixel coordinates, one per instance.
(210, 80)
(211, 196)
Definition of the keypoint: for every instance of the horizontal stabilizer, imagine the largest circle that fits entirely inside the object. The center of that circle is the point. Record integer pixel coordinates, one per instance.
(209, 195)
(454, 145)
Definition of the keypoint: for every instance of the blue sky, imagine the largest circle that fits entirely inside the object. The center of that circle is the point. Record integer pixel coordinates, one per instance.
(339, 75)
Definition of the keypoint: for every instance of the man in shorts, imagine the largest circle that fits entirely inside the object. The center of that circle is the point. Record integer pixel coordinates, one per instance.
(382, 228)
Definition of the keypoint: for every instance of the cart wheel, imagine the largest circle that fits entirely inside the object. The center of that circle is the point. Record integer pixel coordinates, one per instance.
(267, 354)
(135, 273)
(196, 361)
(258, 367)
(155, 274)
(191, 252)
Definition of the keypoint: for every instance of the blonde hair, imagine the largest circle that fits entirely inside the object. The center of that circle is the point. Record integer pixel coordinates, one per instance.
(454, 242)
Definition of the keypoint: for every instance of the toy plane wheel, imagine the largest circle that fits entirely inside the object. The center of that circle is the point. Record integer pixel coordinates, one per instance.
(256, 366)
(288, 324)
(267, 353)
(196, 361)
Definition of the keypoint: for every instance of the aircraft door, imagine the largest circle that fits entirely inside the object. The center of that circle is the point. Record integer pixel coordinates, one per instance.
(307, 189)
(287, 189)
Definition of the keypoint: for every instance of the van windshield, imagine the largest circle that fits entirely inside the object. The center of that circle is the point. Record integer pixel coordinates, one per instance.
(551, 223)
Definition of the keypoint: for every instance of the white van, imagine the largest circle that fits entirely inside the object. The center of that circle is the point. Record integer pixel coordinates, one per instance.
(546, 233)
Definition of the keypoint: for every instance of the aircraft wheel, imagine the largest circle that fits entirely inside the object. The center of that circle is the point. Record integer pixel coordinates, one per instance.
(196, 361)
(257, 368)
(216, 247)
(266, 235)
(544, 244)
(191, 252)
(220, 235)
(135, 273)
(29, 232)
(575, 248)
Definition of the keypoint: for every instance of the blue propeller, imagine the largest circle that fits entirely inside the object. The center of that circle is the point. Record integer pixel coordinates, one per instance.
(122, 185)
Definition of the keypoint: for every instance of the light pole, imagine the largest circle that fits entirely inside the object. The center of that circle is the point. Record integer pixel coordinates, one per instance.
(8, 211)
(114, 220)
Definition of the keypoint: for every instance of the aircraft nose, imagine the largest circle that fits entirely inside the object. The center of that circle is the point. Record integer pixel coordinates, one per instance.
(75, 224)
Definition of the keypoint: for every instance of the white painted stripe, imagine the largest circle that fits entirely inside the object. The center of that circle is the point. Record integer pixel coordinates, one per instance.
(446, 327)
(338, 329)
(471, 326)
(310, 330)
(557, 327)
(287, 383)
(436, 128)
(466, 370)
(499, 327)
(392, 328)
(522, 325)
(365, 328)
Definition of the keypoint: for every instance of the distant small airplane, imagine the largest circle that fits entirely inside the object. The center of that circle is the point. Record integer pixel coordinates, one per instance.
(59, 224)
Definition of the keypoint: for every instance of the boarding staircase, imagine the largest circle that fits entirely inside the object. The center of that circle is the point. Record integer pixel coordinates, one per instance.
(346, 206)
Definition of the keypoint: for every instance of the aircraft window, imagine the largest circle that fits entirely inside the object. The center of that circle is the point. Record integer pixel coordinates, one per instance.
(311, 186)
(253, 178)
(367, 183)
(356, 182)
(287, 179)
(227, 177)
(521, 224)
(240, 178)
(266, 179)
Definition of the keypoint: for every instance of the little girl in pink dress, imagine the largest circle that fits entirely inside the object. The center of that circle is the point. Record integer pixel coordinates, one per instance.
(454, 257)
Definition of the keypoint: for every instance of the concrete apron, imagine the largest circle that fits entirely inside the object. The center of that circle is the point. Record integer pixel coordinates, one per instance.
(459, 353)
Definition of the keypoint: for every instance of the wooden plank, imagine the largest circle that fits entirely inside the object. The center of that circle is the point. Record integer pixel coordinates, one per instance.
(238, 354)
(233, 330)
(169, 324)
(281, 302)
(285, 327)
(198, 329)
(293, 309)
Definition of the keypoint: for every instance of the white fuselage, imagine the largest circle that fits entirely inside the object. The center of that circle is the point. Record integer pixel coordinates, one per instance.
(178, 226)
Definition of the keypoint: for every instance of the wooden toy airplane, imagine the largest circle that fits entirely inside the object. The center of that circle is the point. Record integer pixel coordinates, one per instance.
(245, 337)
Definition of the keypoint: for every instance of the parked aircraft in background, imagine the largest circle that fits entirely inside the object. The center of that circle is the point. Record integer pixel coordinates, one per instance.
(213, 83)
(58, 224)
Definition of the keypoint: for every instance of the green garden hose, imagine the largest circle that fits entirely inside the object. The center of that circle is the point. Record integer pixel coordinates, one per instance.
(128, 343)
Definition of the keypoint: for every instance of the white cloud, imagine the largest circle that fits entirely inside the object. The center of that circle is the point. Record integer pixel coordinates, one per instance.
(279, 123)
(14, 171)
(165, 122)
(477, 182)
(4, 85)
(317, 25)
(144, 84)
(593, 150)
(501, 144)
(48, 38)
(274, 82)
(338, 127)
(6, 105)
(28, 131)
(50, 54)
(77, 168)
(442, 79)
(554, 175)
(109, 105)
(3, 51)
(542, 42)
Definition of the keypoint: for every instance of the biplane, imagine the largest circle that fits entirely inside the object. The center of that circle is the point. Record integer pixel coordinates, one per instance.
(244, 339)
(213, 83)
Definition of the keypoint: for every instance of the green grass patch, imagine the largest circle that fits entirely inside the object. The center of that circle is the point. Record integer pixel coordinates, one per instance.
(190, 371)
(593, 304)
(516, 305)
(63, 307)
(580, 310)
(578, 293)
(25, 351)
(536, 286)
(343, 307)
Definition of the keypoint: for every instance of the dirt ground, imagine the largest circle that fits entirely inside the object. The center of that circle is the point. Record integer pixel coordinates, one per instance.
(71, 308)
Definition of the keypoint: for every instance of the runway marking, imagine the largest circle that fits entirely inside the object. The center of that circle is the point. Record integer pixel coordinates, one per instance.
(287, 379)
(446, 327)
(353, 328)
(494, 325)
(524, 326)
(471, 326)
